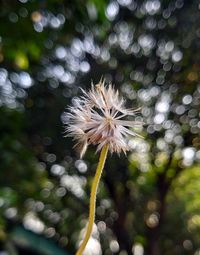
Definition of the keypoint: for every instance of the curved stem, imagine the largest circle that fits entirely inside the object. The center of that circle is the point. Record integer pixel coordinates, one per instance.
(93, 194)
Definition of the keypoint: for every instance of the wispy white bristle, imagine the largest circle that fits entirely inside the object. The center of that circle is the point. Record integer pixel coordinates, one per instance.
(97, 118)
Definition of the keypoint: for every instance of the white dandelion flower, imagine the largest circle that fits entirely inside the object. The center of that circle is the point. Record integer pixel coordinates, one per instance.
(97, 118)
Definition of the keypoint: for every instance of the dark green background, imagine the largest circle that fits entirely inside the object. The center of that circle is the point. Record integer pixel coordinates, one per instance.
(149, 200)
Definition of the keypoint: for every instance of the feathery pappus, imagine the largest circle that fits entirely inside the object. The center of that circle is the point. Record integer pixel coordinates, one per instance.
(97, 117)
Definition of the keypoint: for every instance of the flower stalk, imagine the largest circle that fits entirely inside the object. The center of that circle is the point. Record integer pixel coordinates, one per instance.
(98, 117)
(93, 194)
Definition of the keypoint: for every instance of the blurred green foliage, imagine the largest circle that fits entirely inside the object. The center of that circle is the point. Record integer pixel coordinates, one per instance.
(148, 202)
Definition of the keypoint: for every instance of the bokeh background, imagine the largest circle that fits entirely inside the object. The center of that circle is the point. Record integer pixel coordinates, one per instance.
(148, 202)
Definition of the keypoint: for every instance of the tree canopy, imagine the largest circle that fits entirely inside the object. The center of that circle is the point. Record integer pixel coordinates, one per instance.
(148, 201)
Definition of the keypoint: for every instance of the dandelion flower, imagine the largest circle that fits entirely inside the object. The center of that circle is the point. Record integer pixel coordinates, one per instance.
(97, 118)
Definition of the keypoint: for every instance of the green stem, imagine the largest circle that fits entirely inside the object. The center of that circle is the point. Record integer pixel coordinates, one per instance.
(93, 194)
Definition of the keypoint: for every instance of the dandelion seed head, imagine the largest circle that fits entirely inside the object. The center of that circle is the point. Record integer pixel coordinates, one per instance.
(97, 117)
